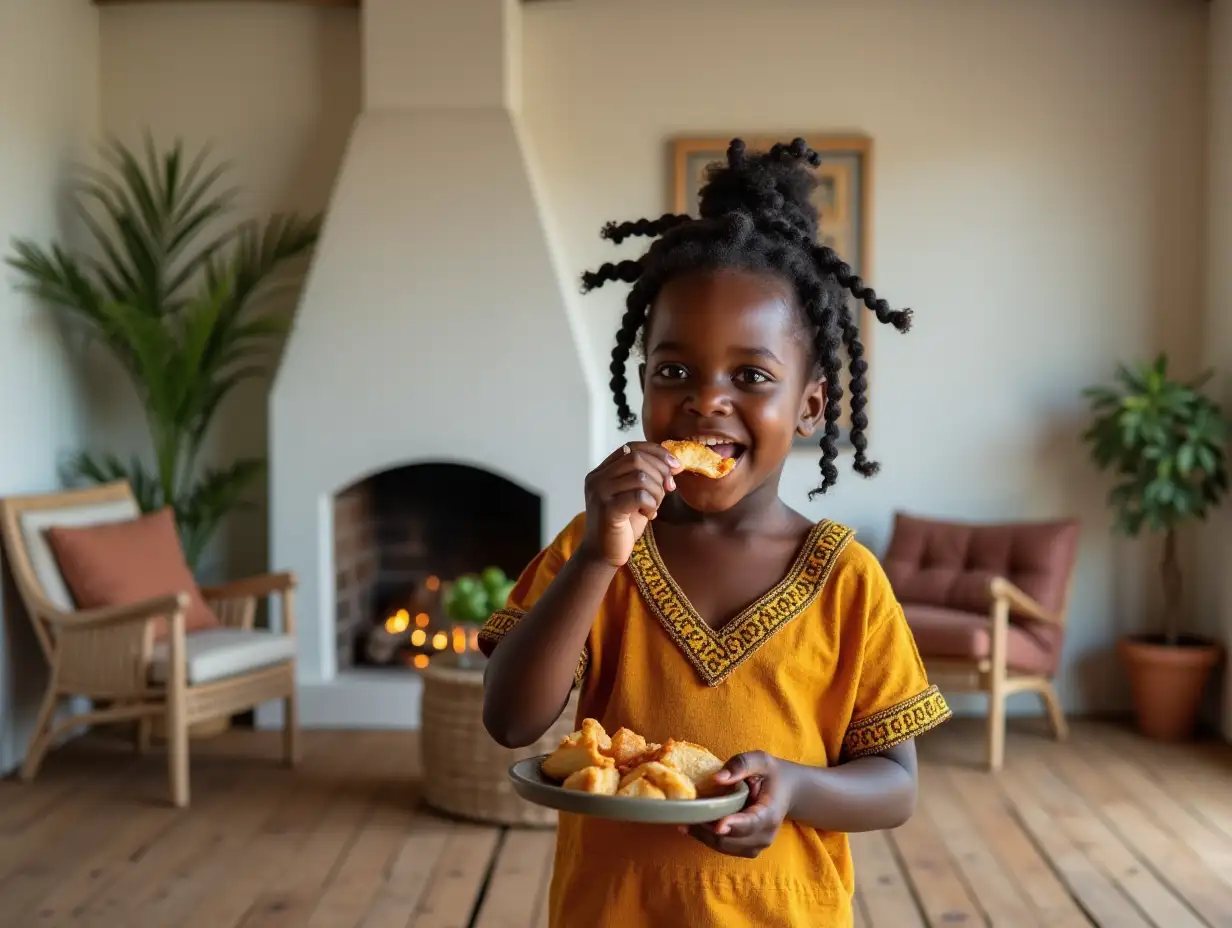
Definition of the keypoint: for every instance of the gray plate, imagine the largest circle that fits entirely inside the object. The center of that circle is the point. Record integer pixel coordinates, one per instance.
(531, 785)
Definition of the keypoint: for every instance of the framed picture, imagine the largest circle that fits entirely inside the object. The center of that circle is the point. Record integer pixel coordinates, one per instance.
(842, 197)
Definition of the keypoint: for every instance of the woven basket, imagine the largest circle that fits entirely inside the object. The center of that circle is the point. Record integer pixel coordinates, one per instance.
(466, 773)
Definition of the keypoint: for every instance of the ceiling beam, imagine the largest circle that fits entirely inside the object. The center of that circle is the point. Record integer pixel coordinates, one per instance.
(353, 4)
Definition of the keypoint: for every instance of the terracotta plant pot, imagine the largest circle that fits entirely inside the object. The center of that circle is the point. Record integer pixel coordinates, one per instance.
(1167, 682)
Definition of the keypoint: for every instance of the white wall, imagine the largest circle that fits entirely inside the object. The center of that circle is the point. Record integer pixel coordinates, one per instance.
(1218, 536)
(1030, 173)
(1037, 200)
(48, 107)
(273, 88)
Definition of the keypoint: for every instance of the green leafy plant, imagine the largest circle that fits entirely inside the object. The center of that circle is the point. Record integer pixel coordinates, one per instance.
(1165, 443)
(183, 306)
(474, 597)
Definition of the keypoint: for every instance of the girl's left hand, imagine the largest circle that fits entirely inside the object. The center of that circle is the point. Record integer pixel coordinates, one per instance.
(750, 831)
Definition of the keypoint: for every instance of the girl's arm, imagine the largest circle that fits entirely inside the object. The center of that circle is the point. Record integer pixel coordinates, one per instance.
(871, 793)
(530, 673)
(528, 677)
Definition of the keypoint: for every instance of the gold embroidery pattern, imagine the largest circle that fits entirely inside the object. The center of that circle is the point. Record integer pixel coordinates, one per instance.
(715, 654)
(897, 724)
(500, 623)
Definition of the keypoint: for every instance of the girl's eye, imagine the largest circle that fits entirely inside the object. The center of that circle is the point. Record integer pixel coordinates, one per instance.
(753, 376)
(672, 372)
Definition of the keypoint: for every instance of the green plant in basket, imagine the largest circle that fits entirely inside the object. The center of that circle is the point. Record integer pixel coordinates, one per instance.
(474, 597)
(1165, 443)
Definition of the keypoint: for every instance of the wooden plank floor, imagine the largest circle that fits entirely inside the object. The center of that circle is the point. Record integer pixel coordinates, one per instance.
(1105, 830)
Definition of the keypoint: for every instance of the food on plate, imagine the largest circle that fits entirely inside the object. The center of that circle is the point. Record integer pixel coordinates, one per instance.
(673, 783)
(695, 762)
(700, 459)
(600, 780)
(629, 749)
(626, 764)
(586, 747)
(641, 788)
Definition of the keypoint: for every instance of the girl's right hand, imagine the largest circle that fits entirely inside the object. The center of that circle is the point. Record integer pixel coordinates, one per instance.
(623, 494)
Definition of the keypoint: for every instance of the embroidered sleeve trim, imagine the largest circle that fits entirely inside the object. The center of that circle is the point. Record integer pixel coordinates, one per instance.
(500, 623)
(902, 722)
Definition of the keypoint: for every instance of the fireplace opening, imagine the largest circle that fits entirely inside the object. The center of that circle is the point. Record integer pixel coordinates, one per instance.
(421, 554)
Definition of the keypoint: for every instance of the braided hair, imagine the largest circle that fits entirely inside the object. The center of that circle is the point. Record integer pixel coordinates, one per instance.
(757, 215)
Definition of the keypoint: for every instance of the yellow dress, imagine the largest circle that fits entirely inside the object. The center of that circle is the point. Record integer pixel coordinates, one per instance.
(821, 669)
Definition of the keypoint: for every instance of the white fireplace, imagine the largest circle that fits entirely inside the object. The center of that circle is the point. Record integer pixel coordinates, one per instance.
(433, 329)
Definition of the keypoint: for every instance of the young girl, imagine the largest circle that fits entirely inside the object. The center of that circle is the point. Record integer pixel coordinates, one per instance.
(707, 610)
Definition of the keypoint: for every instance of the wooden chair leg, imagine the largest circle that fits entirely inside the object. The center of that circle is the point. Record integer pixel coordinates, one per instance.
(290, 728)
(1056, 715)
(996, 730)
(177, 715)
(177, 759)
(40, 738)
(996, 685)
(145, 735)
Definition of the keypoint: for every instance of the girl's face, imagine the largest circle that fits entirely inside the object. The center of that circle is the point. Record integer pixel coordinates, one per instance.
(727, 361)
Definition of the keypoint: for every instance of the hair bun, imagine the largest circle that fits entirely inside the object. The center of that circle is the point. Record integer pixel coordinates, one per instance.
(775, 185)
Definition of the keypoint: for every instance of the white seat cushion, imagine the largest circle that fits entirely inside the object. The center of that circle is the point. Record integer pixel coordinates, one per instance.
(218, 653)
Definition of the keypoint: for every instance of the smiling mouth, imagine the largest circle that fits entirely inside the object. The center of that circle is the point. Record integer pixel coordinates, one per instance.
(721, 446)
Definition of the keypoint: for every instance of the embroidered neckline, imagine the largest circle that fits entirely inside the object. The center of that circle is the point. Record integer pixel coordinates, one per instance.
(715, 653)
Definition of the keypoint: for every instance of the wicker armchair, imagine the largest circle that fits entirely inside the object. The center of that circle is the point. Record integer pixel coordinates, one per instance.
(110, 655)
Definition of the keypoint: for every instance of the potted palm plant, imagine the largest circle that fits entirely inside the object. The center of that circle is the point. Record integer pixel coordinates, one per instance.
(182, 299)
(1165, 443)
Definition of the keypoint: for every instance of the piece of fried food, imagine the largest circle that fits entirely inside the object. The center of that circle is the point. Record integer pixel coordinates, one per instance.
(601, 781)
(673, 783)
(585, 747)
(641, 788)
(629, 749)
(700, 459)
(694, 762)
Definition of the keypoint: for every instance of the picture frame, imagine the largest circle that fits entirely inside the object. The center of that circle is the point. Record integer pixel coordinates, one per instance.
(843, 198)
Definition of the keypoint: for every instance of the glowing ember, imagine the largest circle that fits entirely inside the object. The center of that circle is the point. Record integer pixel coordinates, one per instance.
(398, 622)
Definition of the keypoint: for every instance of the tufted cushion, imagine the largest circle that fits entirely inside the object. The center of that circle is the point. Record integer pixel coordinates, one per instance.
(948, 633)
(948, 565)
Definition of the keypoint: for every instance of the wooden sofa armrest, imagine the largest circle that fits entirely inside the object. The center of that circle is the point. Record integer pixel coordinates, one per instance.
(254, 587)
(153, 608)
(1002, 590)
(105, 653)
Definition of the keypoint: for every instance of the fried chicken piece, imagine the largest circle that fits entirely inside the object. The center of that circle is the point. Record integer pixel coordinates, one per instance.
(700, 459)
(641, 788)
(694, 762)
(601, 781)
(585, 747)
(629, 749)
(672, 782)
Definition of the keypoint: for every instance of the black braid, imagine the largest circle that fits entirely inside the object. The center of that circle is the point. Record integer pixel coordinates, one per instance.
(651, 228)
(756, 214)
(628, 271)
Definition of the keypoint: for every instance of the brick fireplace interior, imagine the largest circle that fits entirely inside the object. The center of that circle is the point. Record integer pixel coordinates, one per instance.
(402, 535)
